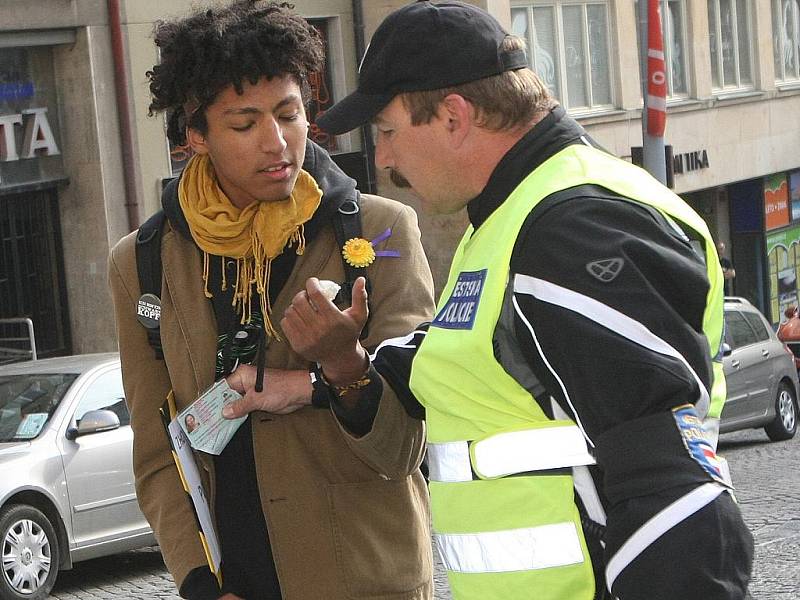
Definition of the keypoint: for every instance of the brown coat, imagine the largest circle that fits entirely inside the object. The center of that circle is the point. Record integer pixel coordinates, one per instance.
(347, 517)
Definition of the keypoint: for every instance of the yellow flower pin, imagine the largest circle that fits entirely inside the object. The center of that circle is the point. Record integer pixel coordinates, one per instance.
(358, 252)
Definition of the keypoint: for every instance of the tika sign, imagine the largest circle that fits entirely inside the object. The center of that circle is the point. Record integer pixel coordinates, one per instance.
(37, 135)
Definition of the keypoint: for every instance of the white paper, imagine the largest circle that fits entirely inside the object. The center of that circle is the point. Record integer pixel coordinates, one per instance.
(185, 458)
(329, 288)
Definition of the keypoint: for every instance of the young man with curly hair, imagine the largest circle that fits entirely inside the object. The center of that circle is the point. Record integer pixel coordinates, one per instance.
(318, 499)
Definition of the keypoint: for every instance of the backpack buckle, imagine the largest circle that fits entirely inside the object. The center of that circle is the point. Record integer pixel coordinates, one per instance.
(349, 207)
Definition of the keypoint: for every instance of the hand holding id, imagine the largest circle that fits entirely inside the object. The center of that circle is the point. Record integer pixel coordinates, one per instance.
(203, 423)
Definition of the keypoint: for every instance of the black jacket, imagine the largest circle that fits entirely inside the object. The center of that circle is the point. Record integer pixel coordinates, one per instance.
(618, 392)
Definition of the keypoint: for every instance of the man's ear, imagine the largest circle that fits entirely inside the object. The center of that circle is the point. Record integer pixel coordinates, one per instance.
(196, 141)
(456, 114)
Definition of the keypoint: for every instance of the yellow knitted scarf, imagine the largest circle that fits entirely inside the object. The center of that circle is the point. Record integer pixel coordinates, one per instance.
(253, 236)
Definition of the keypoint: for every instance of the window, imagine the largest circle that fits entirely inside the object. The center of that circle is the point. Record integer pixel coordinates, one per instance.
(737, 332)
(730, 35)
(27, 401)
(673, 30)
(761, 331)
(322, 90)
(786, 36)
(105, 393)
(569, 48)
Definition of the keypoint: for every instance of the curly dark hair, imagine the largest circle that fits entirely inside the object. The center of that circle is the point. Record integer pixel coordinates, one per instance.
(204, 53)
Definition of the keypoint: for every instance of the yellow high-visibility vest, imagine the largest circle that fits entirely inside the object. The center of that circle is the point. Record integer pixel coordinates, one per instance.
(504, 521)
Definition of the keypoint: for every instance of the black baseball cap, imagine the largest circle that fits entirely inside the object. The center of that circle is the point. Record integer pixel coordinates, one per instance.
(423, 46)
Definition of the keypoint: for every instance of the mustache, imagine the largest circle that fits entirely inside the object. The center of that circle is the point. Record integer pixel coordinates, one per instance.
(398, 179)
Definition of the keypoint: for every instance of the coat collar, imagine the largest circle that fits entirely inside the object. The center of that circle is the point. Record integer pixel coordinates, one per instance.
(550, 135)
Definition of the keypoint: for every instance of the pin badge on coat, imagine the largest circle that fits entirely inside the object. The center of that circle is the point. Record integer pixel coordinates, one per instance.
(148, 310)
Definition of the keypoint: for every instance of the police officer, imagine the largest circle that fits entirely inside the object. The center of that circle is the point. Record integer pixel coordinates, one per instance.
(571, 362)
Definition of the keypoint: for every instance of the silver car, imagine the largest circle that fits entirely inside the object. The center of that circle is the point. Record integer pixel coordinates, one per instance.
(760, 374)
(66, 475)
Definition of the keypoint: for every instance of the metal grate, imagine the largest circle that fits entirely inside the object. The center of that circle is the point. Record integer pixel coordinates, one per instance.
(32, 273)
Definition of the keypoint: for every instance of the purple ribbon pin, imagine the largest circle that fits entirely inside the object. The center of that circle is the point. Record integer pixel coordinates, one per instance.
(384, 236)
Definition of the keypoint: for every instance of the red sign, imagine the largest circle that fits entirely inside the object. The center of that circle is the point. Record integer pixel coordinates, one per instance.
(776, 201)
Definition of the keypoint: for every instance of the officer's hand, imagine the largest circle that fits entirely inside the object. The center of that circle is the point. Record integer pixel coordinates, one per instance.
(319, 332)
(230, 596)
(284, 391)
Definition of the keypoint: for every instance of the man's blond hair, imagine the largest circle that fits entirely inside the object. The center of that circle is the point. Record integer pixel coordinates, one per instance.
(502, 102)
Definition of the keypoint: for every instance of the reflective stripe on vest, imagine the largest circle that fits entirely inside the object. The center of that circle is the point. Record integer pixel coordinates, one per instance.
(526, 549)
(509, 453)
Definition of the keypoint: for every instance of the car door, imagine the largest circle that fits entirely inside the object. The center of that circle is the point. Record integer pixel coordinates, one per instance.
(764, 371)
(739, 365)
(99, 467)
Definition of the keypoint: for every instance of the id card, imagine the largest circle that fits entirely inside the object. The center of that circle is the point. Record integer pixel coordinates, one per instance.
(203, 423)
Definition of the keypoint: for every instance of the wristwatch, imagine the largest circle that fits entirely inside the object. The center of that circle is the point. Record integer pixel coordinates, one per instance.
(321, 392)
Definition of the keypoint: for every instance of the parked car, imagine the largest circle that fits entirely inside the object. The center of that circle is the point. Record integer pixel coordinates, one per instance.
(66, 474)
(760, 374)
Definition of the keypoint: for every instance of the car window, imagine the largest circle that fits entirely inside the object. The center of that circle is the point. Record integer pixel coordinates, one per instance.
(105, 393)
(27, 401)
(738, 332)
(757, 323)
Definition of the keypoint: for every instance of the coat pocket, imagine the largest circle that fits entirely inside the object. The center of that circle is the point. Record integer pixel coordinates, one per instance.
(382, 534)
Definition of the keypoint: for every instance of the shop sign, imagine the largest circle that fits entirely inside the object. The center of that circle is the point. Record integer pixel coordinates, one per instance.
(776, 201)
(37, 138)
(690, 161)
(30, 144)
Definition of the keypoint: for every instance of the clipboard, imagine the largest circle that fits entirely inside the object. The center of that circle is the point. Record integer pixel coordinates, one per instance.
(192, 485)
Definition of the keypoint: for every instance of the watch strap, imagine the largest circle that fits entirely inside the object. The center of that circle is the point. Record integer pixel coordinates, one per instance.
(321, 392)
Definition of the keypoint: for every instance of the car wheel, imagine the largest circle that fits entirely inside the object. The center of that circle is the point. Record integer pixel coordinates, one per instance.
(784, 425)
(30, 553)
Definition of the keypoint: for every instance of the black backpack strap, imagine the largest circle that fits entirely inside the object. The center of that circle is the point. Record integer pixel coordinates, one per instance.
(148, 266)
(346, 226)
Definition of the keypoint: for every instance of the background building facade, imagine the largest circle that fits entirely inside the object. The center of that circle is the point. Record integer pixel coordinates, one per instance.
(82, 163)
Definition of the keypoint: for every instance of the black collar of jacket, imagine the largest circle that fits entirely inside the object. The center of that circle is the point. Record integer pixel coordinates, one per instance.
(549, 136)
(336, 186)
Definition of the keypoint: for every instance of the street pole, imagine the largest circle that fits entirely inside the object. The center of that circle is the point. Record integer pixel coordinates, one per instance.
(653, 77)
